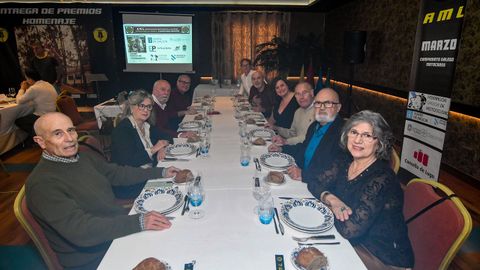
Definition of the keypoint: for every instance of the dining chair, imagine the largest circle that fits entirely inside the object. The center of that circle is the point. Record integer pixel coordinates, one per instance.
(33, 229)
(394, 161)
(438, 223)
(67, 105)
(90, 144)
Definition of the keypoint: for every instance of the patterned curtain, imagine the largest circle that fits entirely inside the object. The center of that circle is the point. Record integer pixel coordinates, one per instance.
(235, 34)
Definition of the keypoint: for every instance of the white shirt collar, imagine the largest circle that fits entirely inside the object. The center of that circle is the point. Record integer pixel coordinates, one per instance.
(158, 103)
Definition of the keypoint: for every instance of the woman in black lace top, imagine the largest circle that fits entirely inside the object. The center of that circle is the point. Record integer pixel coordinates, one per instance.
(363, 193)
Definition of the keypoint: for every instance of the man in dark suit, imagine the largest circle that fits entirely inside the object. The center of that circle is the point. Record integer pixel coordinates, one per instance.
(321, 145)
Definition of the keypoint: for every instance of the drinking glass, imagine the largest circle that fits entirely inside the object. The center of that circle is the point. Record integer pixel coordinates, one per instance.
(12, 92)
(204, 144)
(260, 192)
(265, 210)
(197, 196)
(244, 154)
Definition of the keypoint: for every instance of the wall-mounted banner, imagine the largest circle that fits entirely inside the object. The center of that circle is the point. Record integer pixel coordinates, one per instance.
(419, 159)
(424, 134)
(436, 46)
(433, 68)
(65, 33)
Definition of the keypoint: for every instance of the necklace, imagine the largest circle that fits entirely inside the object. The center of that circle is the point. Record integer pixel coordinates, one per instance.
(352, 174)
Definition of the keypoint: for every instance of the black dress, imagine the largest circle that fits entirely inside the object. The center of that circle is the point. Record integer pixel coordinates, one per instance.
(376, 200)
(285, 118)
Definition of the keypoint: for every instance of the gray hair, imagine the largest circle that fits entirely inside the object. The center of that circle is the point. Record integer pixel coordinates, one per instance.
(381, 130)
(134, 98)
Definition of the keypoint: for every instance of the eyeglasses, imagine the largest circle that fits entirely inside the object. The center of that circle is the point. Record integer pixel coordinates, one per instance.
(145, 107)
(366, 137)
(184, 82)
(326, 104)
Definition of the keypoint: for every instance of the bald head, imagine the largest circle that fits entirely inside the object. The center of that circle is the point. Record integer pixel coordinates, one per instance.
(161, 91)
(44, 121)
(304, 94)
(327, 105)
(56, 134)
(257, 80)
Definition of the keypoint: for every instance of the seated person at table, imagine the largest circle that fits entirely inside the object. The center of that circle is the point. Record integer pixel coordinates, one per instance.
(246, 78)
(70, 195)
(363, 193)
(135, 140)
(320, 147)
(285, 105)
(41, 95)
(161, 93)
(304, 116)
(180, 100)
(261, 96)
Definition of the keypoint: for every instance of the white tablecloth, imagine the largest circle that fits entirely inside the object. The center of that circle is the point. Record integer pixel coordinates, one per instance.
(106, 109)
(230, 235)
(214, 90)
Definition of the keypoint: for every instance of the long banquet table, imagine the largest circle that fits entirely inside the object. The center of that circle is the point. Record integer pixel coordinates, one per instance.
(230, 235)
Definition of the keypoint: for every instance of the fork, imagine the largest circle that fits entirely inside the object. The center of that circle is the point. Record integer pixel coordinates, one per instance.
(316, 237)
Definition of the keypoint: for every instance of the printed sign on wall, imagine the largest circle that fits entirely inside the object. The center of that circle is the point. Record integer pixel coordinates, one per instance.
(419, 159)
(433, 69)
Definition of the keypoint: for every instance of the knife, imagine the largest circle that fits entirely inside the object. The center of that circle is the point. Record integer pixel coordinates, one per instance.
(319, 243)
(280, 225)
(185, 204)
(175, 159)
(290, 198)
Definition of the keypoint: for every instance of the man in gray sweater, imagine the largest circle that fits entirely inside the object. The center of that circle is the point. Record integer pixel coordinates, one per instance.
(70, 195)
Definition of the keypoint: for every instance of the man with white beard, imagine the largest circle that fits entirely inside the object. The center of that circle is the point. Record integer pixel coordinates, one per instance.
(321, 145)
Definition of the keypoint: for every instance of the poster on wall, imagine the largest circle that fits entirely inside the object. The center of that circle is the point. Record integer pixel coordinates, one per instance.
(436, 46)
(67, 35)
(433, 69)
(424, 134)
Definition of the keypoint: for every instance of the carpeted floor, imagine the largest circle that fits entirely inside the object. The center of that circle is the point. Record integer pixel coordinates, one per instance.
(24, 257)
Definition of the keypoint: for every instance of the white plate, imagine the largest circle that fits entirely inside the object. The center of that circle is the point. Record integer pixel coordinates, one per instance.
(276, 160)
(293, 258)
(190, 125)
(183, 149)
(262, 133)
(310, 216)
(163, 200)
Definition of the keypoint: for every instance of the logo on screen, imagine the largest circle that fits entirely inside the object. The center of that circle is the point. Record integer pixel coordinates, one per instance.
(421, 157)
(173, 57)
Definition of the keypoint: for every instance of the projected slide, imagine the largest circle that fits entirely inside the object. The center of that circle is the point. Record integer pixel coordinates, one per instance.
(158, 43)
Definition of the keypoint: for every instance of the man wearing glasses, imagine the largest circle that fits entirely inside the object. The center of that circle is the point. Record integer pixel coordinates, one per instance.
(246, 78)
(180, 100)
(303, 117)
(321, 145)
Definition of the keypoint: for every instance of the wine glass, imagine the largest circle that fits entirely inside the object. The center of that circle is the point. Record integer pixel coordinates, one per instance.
(204, 144)
(197, 196)
(260, 192)
(12, 92)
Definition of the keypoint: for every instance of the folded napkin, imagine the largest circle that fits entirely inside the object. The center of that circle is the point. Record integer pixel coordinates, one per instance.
(154, 183)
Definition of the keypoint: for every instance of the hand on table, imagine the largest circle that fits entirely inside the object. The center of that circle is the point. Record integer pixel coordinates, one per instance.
(161, 144)
(341, 211)
(171, 171)
(155, 221)
(274, 148)
(278, 140)
(295, 172)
